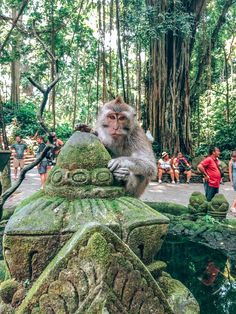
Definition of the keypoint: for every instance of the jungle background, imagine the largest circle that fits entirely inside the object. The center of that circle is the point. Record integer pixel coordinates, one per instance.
(173, 60)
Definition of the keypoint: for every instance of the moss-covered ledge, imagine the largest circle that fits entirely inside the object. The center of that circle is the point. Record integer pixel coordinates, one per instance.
(206, 230)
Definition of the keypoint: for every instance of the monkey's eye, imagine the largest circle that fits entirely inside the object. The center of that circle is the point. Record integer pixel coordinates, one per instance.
(112, 117)
(122, 118)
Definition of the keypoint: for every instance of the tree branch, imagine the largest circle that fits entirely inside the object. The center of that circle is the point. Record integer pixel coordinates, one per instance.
(211, 45)
(11, 190)
(52, 57)
(23, 5)
(45, 91)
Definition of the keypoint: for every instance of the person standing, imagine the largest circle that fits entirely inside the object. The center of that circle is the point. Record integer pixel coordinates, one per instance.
(43, 165)
(212, 175)
(19, 150)
(232, 177)
(57, 146)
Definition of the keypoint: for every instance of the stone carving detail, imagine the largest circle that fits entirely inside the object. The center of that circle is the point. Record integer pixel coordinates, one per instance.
(95, 273)
(198, 204)
(79, 244)
(39, 230)
(80, 177)
(218, 207)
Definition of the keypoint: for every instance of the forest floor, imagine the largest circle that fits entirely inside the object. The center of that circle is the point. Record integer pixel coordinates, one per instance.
(176, 193)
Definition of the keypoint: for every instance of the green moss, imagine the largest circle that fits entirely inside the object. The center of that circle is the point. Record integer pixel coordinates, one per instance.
(2, 271)
(179, 297)
(7, 212)
(99, 249)
(198, 204)
(156, 268)
(7, 290)
(83, 151)
(30, 199)
(168, 207)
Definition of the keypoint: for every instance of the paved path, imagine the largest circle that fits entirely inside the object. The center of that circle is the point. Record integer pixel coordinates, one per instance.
(178, 193)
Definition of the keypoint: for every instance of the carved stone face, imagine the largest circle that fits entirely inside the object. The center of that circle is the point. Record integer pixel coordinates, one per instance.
(219, 204)
(79, 191)
(197, 203)
(81, 170)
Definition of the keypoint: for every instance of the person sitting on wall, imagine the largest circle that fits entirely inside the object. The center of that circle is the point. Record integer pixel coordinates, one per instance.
(181, 165)
(165, 166)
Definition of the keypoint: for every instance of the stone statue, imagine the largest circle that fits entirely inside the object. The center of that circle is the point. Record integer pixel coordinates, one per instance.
(83, 246)
(198, 204)
(218, 207)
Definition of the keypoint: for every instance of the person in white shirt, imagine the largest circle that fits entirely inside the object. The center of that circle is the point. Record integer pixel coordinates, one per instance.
(165, 166)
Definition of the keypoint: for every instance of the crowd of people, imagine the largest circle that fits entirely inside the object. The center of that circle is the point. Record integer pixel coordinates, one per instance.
(174, 167)
(209, 167)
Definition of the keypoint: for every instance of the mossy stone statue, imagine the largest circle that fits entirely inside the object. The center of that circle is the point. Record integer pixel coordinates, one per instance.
(79, 190)
(82, 244)
(198, 204)
(218, 207)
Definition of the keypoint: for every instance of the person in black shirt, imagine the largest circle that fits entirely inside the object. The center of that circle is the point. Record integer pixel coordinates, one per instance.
(42, 166)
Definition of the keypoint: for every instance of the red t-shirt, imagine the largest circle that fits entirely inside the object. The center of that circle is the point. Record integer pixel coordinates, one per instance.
(211, 167)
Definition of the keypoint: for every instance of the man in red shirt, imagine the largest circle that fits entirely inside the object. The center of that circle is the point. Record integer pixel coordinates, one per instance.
(210, 168)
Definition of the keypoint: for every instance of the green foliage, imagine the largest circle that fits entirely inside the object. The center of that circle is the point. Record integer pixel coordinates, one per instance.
(21, 121)
(86, 53)
(64, 131)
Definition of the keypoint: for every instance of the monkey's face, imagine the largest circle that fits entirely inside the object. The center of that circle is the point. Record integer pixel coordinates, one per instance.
(117, 124)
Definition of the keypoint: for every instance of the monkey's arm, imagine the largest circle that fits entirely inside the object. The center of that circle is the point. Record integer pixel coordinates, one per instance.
(135, 172)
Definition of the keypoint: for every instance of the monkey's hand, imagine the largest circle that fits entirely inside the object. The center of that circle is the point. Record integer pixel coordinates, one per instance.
(120, 172)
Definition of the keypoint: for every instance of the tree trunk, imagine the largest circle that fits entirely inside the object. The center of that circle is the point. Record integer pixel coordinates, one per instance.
(110, 49)
(15, 68)
(227, 88)
(120, 50)
(53, 70)
(75, 95)
(139, 69)
(169, 88)
(104, 85)
(6, 174)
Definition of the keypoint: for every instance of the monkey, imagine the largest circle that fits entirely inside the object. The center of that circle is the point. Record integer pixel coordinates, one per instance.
(133, 162)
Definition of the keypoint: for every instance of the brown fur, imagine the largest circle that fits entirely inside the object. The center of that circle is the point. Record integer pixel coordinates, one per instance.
(132, 152)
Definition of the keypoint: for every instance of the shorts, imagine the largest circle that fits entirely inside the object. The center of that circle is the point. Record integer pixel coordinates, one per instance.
(183, 170)
(18, 163)
(43, 167)
(166, 169)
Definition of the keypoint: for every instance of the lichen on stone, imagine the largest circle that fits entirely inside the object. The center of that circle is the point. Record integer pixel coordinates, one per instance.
(198, 204)
(219, 206)
(99, 249)
(7, 290)
(83, 151)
